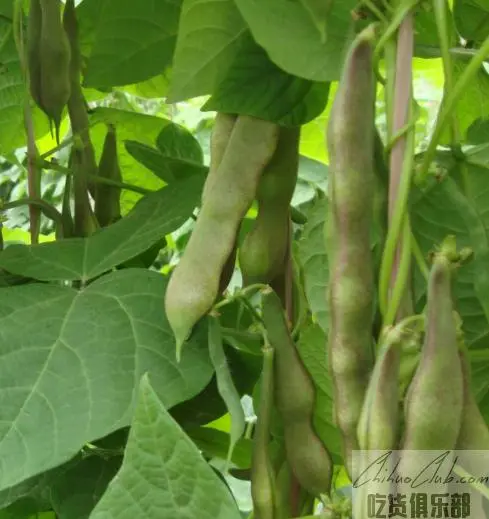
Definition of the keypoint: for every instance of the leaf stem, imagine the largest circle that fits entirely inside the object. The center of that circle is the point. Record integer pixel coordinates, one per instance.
(101, 180)
(47, 209)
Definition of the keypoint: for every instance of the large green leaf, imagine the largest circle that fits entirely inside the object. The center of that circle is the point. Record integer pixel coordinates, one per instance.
(155, 216)
(72, 360)
(163, 473)
(208, 38)
(440, 209)
(254, 85)
(134, 41)
(292, 41)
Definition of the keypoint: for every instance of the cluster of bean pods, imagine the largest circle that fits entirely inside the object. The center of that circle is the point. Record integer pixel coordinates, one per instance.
(380, 401)
(374, 409)
(54, 65)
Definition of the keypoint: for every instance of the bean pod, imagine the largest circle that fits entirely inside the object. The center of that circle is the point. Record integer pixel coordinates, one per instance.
(433, 408)
(108, 198)
(262, 475)
(77, 110)
(194, 284)
(378, 427)
(263, 253)
(221, 133)
(55, 56)
(350, 140)
(295, 398)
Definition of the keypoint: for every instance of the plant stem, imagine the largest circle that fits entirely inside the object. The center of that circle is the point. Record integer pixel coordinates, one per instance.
(396, 260)
(33, 172)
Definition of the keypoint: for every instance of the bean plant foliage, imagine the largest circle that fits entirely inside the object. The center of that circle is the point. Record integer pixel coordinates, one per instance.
(168, 179)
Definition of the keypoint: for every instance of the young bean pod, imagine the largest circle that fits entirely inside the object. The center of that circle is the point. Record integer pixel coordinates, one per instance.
(108, 198)
(55, 56)
(262, 475)
(84, 223)
(283, 483)
(295, 397)
(378, 426)
(350, 140)
(433, 408)
(263, 253)
(194, 284)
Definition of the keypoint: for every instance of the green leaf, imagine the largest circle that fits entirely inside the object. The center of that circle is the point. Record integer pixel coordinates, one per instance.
(289, 35)
(177, 142)
(214, 443)
(70, 370)
(30, 490)
(130, 126)
(473, 104)
(478, 132)
(472, 20)
(255, 86)
(163, 473)
(75, 488)
(178, 154)
(318, 11)
(314, 262)
(208, 38)
(156, 215)
(312, 347)
(150, 158)
(225, 384)
(436, 211)
(134, 41)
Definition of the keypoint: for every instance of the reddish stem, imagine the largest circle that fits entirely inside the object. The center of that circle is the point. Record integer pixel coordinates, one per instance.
(402, 100)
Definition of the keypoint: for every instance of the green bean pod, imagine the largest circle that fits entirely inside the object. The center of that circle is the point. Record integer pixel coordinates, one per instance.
(263, 252)
(55, 57)
(474, 433)
(262, 475)
(194, 284)
(295, 397)
(283, 483)
(34, 26)
(433, 408)
(350, 140)
(378, 426)
(108, 198)
(77, 111)
(221, 133)
(84, 223)
(223, 127)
